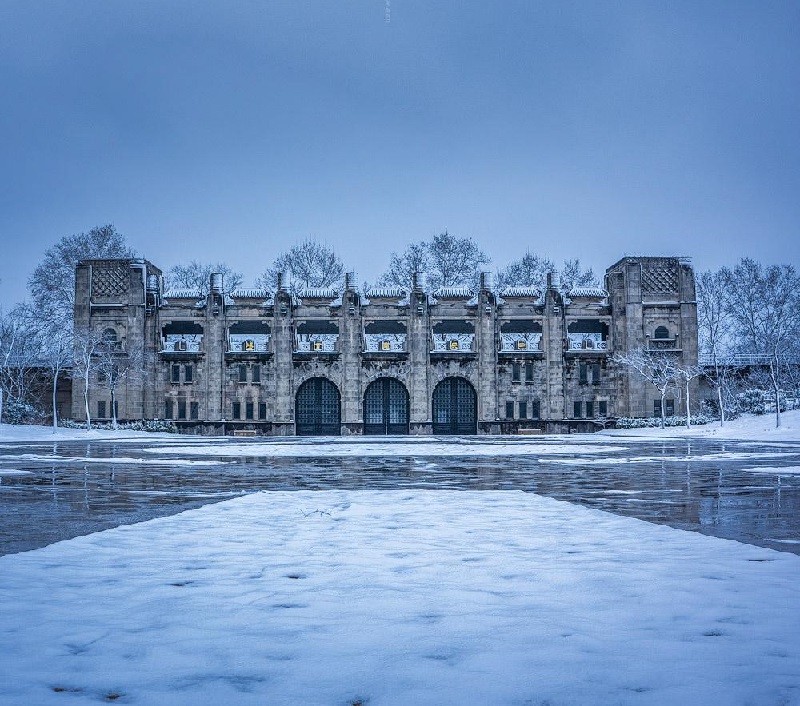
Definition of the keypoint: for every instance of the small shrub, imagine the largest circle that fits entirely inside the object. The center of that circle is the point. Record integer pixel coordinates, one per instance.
(16, 412)
(653, 422)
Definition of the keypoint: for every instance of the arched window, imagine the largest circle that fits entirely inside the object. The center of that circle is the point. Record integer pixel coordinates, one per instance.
(661, 332)
(109, 339)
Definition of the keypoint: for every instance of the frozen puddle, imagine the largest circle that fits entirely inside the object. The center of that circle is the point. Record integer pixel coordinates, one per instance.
(359, 449)
(397, 597)
(52, 458)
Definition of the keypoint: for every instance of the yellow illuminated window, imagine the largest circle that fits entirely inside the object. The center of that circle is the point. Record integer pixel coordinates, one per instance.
(521, 345)
(249, 346)
(317, 345)
(453, 345)
(386, 346)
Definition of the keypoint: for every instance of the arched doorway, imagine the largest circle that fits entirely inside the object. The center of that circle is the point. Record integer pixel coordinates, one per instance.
(455, 407)
(386, 407)
(318, 408)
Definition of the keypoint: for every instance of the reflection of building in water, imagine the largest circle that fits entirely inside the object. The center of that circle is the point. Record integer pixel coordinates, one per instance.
(397, 361)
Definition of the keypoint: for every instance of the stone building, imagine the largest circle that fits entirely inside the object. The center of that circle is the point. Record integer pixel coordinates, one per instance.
(453, 361)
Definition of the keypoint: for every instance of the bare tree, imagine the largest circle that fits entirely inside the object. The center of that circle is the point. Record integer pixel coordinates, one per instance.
(308, 265)
(403, 266)
(52, 284)
(573, 276)
(687, 373)
(57, 348)
(446, 260)
(197, 275)
(19, 356)
(764, 306)
(531, 271)
(659, 369)
(713, 328)
(86, 341)
(115, 366)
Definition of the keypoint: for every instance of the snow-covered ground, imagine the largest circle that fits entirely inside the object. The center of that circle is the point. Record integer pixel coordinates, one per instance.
(387, 597)
(397, 597)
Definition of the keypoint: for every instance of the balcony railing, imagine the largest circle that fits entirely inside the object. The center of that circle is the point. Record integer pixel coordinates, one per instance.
(587, 342)
(453, 342)
(384, 342)
(519, 342)
(316, 342)
(182, 343)
(248, 343)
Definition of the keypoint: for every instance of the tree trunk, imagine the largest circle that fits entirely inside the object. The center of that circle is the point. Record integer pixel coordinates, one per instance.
(113, 410)
(663, 409)
(1, 406)
(719, 401)
(55, 406)
(86, 400)
(688, 417)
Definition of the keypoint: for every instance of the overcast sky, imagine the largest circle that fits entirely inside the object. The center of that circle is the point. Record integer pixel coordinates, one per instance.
(233, 129)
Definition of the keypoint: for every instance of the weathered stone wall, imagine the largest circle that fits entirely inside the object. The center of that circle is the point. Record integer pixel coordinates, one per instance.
(212, 386)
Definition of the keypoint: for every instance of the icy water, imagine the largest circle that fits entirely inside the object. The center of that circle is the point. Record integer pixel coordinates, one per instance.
(745, 491)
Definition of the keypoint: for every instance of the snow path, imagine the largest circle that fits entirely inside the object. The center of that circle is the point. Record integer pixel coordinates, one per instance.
(398, 597)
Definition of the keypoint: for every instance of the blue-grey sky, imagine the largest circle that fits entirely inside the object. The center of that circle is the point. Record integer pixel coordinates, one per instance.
(230, 130)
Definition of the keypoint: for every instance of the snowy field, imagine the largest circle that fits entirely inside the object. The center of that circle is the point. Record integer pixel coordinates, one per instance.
(394, 597)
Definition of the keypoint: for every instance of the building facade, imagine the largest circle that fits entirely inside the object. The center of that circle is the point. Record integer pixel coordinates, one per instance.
(390, 361)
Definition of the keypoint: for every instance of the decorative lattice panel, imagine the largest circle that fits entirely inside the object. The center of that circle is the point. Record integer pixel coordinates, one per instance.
(384, 342)
(109, 281)
(453, 342)
(659, 279)
(519, 342)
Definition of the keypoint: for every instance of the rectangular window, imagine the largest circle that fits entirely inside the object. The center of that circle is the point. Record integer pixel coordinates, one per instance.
(453, 345)
(168, 409)
(516, 371)
(602, 408)
(670, 407)
(590, 410)
(188, 373)
(522, 345)
(656, 408)
(386, 345)
(262, 410)
(535, 413)
(248, 410)
(181, 409)
(576, 409)
(237, 410)
(242, 373)
(596, 374)
(317, 345)
(583, 373)
(256, 373)
(523, 410)
(509, 410)
(194, 410)
(101, 409)
(175, 373)
(529, 371)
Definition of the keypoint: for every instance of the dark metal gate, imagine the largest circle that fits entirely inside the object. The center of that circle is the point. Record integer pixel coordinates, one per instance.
(455, 407)
(318, 408)
(386, 407)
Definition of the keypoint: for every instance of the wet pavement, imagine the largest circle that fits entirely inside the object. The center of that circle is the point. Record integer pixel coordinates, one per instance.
(745, 491)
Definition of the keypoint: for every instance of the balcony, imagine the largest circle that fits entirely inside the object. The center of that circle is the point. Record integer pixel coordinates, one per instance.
(520, 343)
(453, 343)
(317, 343)
(182, 344)
(586, 343)
(385, 343)
(248, 344)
